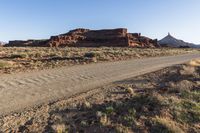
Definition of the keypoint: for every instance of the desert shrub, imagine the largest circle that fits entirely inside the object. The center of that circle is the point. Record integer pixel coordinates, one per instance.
(109, 110)
(121, 129)
(4, 64)
(22, 55)
(38, 55)
(130, 117)
(104, 119)
(130, 120)
(187, 112)
(86, 105)
(56, 54)
(151, 103)
(84, 123)
(91, 54)
(191, 95)
(179, 87)
(59, 128)
(187, 70)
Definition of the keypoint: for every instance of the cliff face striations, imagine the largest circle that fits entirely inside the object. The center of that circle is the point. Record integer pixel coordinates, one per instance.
(96, 38)
(91, 38)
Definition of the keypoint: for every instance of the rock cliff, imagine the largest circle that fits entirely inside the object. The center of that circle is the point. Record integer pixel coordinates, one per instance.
(96, 38)
(91, 38)
(28, 43)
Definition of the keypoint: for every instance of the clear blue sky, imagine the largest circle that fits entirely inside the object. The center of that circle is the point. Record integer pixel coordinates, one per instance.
(25, 19)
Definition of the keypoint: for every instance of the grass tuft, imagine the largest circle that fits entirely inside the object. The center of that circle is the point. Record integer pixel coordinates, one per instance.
(164, 125)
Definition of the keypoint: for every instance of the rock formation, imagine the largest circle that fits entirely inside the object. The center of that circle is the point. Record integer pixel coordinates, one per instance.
(28, 43)
(91, 38)
(170, 41)
(96, 38)
(136, 40)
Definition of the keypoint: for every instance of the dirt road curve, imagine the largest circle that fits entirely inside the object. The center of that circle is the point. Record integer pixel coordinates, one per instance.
(25, 90)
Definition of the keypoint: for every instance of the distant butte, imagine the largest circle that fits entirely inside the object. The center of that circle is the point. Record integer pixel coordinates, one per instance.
(91, 38)
(170, 41)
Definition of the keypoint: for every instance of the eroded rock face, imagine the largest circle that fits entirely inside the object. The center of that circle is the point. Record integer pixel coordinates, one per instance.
(96, 38)
(91, 38)
(136, 40)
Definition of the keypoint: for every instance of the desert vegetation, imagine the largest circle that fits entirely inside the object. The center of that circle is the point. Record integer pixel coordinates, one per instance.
(27, 59)
(165, 101)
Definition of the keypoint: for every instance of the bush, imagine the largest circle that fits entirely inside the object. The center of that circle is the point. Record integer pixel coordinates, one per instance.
(187, 112)
(162, 125)
(4, 64)
(91, 54)
(18, 56)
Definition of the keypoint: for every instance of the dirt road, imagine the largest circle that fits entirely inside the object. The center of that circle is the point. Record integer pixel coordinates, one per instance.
(20, 91)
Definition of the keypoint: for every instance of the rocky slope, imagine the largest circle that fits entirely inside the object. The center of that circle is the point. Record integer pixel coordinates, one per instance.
(170, 41)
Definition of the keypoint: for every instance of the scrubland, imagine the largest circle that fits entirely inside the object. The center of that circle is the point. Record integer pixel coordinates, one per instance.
(165, 101)
(14, 60)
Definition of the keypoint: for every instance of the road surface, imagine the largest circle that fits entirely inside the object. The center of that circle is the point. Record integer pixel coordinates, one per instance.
(20, 91)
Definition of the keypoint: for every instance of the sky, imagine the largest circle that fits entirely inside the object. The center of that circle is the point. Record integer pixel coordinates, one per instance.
(40, 19)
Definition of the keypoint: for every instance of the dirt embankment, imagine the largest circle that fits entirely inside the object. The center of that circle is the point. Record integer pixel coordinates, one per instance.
(167, 100)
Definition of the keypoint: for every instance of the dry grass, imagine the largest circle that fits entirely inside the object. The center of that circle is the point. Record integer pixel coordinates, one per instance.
(59, 128)
(165, 125)
(6, 64)
(44, 58)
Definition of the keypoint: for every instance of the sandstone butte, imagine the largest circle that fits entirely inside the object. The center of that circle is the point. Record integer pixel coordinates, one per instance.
(91, 38)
